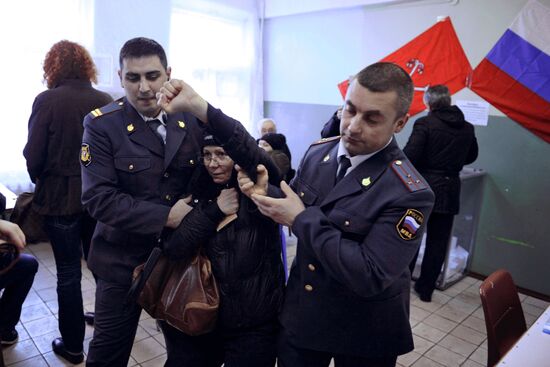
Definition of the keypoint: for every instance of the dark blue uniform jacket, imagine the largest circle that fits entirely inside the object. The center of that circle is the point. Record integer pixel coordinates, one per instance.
(129, 182)
(348, 291)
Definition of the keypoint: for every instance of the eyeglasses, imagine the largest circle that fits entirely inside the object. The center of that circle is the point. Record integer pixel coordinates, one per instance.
(220, 157)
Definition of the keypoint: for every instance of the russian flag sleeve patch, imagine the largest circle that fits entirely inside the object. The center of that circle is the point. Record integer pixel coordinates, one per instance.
(408, 225)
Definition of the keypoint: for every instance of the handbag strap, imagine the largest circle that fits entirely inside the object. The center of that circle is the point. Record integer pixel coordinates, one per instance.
(139, 282)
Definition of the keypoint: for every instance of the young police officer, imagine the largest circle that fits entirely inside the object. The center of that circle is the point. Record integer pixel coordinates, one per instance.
(136, 163)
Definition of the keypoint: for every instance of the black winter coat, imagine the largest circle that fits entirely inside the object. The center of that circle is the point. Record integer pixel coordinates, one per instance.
(246, 253)
(439, 146)
(53, 145)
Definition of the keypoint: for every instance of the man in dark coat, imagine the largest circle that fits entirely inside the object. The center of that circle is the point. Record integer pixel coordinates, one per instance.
(358, 225)
(332, 126)
(136, 162)
(439, 146)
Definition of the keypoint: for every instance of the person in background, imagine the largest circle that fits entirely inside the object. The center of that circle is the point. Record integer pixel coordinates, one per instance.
(359, 223)
(15, 279)
(332, 126)
(267, 125)
(275, 145)
(53, 145)
(439, 146)
(136, 162)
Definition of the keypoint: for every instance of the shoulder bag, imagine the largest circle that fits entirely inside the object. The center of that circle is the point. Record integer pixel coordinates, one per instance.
(182, 293)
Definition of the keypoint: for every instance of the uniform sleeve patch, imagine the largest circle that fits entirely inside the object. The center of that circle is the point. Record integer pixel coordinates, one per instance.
(408, 225)
(85, 155)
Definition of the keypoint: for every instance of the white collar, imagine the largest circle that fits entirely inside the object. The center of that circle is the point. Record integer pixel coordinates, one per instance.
(162, 117)
(358, 159)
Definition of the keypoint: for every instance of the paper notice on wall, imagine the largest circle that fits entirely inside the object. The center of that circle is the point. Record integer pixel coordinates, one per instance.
(475, 112)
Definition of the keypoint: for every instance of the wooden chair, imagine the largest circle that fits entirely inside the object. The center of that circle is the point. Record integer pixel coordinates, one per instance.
(504, 317)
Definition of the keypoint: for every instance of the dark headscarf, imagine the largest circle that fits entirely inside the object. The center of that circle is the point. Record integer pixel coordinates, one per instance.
(210, 140)
(277, 142)
(201, 185)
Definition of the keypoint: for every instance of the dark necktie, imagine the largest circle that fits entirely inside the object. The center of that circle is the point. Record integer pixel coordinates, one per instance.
(345, 163)
(158, 128)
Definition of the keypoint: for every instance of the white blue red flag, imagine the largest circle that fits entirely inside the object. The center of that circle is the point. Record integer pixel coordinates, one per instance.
(515, 75)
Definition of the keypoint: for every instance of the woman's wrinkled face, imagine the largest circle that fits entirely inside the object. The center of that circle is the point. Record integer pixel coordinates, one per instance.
(218, 164)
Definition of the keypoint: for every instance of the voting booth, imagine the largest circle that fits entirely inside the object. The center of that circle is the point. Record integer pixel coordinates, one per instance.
(462, 239)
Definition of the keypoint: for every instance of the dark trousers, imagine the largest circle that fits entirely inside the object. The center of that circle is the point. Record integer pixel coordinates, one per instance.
(87, 231)
(291, 356)
(115, 326)
(252, 347)
(438, 230)
(64, 233)
(16, 284)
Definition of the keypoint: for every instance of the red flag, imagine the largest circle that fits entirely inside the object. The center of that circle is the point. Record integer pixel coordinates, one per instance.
(434, 57)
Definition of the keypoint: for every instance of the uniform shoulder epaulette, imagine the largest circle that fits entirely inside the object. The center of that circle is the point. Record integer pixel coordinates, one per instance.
(326, 140)
(111, 107)
(408, 175)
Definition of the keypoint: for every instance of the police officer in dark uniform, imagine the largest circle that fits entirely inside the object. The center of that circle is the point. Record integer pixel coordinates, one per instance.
(358, 208)
(136, 163)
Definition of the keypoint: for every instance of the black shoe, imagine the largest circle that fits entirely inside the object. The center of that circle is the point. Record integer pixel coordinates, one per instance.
(423, 295)
(89, 318)
(59, 348)
(9, 337)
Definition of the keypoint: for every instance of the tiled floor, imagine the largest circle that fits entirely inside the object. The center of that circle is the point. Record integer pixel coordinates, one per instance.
(449, 331)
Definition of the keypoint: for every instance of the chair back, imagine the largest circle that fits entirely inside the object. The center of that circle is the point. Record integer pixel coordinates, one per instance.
(504, 317)
(1, 355)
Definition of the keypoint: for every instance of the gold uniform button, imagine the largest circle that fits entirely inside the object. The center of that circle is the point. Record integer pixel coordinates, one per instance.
(302, 194)
(308, 288)
(166, 174)
(346, 223)
(311, 267)
(168, 197)
(131, 167)
(191, 162)
(398, 163)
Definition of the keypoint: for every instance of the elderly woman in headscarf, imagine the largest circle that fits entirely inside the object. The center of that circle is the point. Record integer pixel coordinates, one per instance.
(243, 246)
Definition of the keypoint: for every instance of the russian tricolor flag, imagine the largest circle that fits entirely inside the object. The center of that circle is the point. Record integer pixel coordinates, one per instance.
(411, 224)
(515, 75)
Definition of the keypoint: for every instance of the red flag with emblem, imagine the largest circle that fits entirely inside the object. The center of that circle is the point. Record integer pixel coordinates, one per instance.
(434, 57)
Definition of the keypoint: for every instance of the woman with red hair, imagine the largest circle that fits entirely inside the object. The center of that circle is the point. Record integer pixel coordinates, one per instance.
(52, 154)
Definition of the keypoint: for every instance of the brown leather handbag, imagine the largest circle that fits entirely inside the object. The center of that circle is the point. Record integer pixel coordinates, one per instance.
(182, 293)
(28, 219)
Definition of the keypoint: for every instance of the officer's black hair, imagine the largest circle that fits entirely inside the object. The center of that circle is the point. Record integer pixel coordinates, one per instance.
(386, 77)
(437, 96)
(141, 46)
